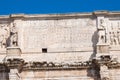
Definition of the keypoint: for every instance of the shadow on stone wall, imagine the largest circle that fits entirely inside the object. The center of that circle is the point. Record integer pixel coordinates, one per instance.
(94, 42)
(92, 72)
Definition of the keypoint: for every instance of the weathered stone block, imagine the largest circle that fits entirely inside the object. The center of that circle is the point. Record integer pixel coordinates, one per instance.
(13, 51)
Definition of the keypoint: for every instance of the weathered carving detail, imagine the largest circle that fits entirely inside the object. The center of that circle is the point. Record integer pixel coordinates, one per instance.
(114, 40)
(4, 34)
(56, 66)
(118, 36)
(114, 35)
(14, 36)
(15, 63)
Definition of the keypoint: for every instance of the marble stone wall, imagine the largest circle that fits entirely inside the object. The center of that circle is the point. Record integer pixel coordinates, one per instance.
(59, 35)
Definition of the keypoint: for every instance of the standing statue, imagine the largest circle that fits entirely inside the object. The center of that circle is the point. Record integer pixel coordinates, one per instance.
(101, 32)
(14, 36)
(4, 34)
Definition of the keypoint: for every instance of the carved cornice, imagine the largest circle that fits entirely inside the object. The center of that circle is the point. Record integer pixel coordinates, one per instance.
(19, 64)
(56, 66)
(16, 63)
(106, 60)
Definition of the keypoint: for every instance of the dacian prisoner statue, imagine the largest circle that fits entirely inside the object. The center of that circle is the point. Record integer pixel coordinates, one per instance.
(14, 35)
(101, 31)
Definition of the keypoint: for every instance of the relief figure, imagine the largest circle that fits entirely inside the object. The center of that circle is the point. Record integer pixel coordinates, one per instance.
(114, 38)
(118, 35)
(4, 34)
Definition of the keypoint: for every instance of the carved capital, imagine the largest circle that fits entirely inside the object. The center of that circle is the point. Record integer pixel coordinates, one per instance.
(15, 63)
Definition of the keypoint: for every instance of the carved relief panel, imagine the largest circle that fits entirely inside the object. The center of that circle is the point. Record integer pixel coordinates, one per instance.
(4, 35)
(114, 32)
(8, 35)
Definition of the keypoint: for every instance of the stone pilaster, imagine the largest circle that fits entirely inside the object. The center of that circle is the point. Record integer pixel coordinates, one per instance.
(14, 75)
(104, 72)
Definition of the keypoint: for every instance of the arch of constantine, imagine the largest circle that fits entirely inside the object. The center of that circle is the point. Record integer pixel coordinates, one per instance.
(75, 46)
